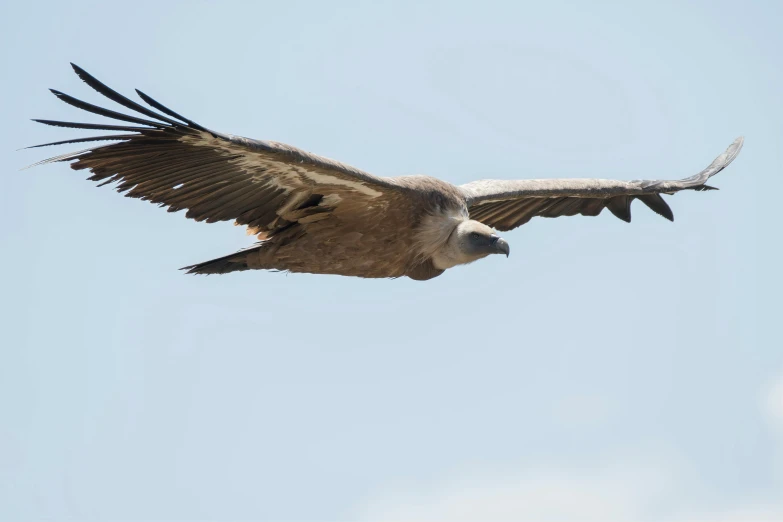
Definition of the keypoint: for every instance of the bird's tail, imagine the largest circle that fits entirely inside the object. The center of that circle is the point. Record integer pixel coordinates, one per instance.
(235, 262)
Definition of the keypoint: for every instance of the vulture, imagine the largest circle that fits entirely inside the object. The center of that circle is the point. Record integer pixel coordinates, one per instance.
(317, 215)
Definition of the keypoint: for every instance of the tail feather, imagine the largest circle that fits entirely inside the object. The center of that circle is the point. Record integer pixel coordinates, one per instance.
(235, 262)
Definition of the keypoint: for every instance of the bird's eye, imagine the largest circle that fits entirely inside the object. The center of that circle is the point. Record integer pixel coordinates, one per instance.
(475, 236)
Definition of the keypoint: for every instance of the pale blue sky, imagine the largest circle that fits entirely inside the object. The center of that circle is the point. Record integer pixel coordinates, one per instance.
(129, 391)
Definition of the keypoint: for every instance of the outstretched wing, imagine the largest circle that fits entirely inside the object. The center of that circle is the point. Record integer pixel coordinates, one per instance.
(508, 204)
(176, 163)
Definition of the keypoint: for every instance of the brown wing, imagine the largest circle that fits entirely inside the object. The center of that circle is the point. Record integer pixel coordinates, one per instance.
(508, 204)
(176, 163)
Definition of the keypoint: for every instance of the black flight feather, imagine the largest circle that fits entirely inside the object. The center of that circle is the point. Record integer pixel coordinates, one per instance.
(117, 97)
(171, 113)
(657, 205)
(117, 137)
(89, 107)
(620, 206)
(91, 126)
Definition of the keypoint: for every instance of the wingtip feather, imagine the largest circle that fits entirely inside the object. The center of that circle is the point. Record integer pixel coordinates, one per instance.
(156, 104)
(81, 73)
(657, 204)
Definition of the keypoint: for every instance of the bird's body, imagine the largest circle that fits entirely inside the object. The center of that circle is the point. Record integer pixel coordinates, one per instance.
(378, 237)
(316, 215)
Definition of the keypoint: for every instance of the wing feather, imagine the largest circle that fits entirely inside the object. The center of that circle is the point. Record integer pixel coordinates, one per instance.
(178, 164)
(507, 204)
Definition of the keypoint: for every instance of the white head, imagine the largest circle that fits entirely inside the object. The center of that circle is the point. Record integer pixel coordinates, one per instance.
(469, 241)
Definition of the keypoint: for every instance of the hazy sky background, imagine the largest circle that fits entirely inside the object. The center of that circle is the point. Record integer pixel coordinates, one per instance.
(605, 371)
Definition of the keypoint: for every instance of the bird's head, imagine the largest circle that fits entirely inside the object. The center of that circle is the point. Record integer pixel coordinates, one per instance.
(472, 240)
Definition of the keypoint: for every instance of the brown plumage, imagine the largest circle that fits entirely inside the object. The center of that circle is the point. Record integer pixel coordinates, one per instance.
(312, 214)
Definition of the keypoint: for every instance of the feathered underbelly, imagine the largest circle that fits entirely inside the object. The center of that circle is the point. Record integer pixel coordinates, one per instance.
(363, 241)
(374, 253)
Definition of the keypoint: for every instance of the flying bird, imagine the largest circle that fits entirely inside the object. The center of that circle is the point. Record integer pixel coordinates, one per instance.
(316, 215)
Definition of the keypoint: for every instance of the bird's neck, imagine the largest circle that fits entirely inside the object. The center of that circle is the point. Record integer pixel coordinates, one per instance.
(436, 241)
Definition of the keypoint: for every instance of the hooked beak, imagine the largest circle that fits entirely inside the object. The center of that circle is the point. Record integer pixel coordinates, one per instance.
(500, 245)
